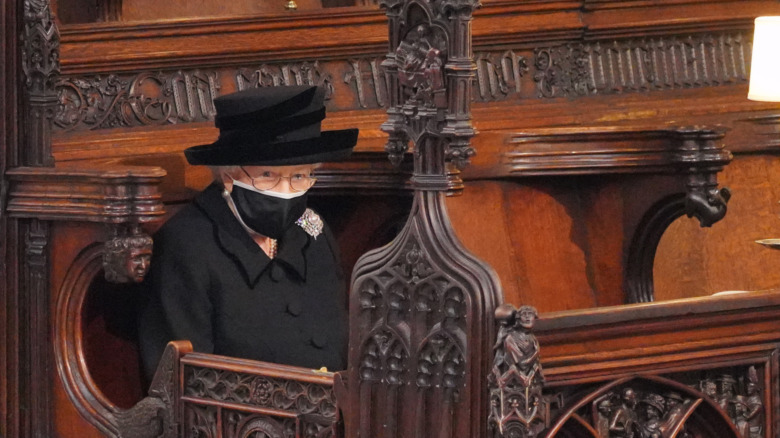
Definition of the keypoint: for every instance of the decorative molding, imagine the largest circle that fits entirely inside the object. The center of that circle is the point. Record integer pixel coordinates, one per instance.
(576, 151)
(113, 195)
(570, 70)
(641, 252)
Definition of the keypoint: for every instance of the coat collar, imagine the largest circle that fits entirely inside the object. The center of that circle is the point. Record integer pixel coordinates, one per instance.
(235, 241)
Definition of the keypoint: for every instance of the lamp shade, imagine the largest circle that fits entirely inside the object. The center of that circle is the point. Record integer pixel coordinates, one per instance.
(765, 63)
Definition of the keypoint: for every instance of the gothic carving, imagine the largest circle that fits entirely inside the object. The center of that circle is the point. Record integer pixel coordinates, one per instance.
(419, 309)
(745, 407)
(41, 47)
(369, 79)
(155, 416)
(384, 358)
(259, 391)
(562, 71)
(628, 413)
(126, 257)
(441, 362)
(421, 55)
(648, 64)
(201, 422)
(41, 66)
(517, 406)
(570, 70)
(499, 74)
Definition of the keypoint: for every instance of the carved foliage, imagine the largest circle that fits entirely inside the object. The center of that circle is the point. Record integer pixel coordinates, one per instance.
(103, 102)
(229, 386)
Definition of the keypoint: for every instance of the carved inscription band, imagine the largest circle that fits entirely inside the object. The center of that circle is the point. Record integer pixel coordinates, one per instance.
(570, 70)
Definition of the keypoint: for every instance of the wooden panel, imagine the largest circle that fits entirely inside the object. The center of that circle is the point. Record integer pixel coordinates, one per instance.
(692, 261)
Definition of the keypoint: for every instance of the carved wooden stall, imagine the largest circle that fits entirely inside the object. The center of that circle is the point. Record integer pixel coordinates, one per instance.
(601, 123)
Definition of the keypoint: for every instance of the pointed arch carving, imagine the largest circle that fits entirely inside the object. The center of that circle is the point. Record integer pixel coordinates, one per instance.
(153, 416)
(615, 404)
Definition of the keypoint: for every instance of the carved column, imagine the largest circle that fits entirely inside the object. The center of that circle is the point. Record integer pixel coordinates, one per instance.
(421, 307)
(41, 67)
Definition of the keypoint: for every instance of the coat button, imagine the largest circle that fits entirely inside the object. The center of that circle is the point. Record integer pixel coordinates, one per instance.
(294, 308)
(319, 340)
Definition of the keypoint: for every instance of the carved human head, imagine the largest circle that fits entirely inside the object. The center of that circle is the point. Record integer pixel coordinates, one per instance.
(126, 259)
(526, 316)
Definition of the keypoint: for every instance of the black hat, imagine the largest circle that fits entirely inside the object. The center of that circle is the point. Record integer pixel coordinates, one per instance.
(273, 126)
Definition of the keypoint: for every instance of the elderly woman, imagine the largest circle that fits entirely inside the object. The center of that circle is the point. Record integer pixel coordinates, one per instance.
(247, 270)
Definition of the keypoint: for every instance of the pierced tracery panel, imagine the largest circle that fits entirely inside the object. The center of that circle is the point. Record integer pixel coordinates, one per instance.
(259, 391)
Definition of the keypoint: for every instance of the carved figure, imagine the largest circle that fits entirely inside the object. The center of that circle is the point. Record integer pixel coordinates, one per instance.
(517, 403)
(675, 410)
(126, 259)
(603, 412)
(420, 65)
(624, 422)
(740, 409)
(709, 388)
(726, 393)
(755, 406)
(654, 407)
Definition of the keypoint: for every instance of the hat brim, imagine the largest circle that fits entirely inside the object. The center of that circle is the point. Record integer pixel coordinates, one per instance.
(329, 146)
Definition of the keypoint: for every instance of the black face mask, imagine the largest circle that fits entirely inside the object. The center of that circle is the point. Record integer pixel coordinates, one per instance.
(265, 214)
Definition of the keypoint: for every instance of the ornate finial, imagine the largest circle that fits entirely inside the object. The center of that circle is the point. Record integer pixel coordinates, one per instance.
(126, 258)
(517, 407)
(41, 47)
(291, 5)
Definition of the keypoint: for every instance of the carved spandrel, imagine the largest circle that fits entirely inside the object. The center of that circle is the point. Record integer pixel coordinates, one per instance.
(517, 406)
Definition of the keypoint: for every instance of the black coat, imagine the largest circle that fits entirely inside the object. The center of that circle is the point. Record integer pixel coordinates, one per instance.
(211, 284)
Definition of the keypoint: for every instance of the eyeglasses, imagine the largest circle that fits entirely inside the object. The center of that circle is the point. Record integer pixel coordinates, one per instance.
(268, 179)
